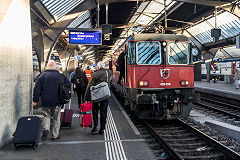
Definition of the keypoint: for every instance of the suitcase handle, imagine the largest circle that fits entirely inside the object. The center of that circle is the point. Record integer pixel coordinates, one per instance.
(69, 105)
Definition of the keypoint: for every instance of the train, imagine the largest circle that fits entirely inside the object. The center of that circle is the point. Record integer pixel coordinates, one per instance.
(158, 83)
(223, 70)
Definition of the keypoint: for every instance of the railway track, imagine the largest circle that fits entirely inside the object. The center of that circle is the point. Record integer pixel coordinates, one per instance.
(229, 111)
(178, 140)
(182, 141)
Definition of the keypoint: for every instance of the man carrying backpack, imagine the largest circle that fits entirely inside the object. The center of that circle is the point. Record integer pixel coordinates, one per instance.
(46, 91)
(81, 82)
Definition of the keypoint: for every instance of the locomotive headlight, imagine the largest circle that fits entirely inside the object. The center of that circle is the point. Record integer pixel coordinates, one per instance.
(143, 83)
(184, 83)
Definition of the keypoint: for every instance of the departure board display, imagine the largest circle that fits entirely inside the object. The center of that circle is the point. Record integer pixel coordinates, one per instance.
(85, 37)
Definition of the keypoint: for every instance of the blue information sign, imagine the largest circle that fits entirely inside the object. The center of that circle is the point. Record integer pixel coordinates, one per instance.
(85, 37)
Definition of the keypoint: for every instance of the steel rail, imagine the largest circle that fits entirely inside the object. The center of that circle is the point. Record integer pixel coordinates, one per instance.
(217, 109)
(171, 151)
(221, 103)
(229, 152)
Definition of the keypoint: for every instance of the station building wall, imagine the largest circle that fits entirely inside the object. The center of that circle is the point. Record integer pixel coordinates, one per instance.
(16, 66)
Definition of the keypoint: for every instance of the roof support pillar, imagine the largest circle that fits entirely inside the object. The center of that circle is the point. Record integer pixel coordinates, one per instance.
(208, 56)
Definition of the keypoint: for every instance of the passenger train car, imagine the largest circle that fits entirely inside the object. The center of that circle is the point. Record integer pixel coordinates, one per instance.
(159, 76)
(221, 70)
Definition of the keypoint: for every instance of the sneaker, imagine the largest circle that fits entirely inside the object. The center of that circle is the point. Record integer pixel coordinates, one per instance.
(44, 136)
(94, 130)
(58, 137)
(100, 132)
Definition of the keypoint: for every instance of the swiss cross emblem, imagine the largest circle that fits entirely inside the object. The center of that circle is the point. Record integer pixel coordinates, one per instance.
(165, 73)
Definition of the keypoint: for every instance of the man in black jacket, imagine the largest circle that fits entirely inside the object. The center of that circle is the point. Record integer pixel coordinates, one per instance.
(46, 91)
(121, 63)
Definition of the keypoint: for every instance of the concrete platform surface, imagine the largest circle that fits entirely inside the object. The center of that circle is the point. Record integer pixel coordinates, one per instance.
(218, 88)
(119, 142)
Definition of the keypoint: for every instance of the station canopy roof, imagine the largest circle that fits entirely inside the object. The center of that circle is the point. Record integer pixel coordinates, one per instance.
(193, 18)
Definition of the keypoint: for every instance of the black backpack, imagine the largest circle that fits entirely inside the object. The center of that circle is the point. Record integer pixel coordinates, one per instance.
(80, 81)
(64, 92)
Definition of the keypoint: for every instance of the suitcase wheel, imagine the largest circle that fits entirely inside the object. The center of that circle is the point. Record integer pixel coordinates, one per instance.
(34, 146)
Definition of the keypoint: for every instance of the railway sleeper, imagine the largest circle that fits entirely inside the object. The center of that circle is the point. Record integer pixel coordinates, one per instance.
(186, 135)
(182, 139)
(189, 145)
(172, 132)
(196, 150)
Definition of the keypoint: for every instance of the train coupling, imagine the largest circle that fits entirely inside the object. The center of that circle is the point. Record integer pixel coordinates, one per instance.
(146, 98)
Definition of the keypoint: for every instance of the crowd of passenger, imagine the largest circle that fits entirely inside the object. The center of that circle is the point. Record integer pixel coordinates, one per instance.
(46, 96)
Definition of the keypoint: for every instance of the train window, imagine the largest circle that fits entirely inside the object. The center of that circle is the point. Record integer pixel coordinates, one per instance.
(148, 52)
(131, 53)
(177, 53)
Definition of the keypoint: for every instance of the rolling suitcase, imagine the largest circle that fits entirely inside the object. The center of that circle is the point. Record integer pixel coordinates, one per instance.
(66, 116)
(85, 115)
(27, 132)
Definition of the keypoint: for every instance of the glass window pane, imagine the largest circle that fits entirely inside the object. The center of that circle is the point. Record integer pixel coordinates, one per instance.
(178, 53)
(201, 32)
(148, 52)
(131, 53)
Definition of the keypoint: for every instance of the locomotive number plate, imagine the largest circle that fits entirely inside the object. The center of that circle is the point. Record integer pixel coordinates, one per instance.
(165, 84)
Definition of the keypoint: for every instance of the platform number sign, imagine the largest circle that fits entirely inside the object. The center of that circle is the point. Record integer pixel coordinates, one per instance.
(79, 57)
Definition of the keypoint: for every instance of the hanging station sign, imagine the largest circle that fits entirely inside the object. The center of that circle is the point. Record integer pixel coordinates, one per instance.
(85, 37)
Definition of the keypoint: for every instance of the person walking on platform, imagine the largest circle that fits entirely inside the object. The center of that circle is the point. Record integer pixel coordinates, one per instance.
(81, 82)
(71, 75)
(88, 73)
(70, 79)
(46, 91)
(237, 78)
(97, 77)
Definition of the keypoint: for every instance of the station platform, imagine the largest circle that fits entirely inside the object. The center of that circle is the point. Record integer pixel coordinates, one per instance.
(120, 141)
(219, 88)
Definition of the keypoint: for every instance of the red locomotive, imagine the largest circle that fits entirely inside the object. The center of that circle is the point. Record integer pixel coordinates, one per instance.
(158, 80)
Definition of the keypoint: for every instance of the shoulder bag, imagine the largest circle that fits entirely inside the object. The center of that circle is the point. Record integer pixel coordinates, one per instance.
(101, 91)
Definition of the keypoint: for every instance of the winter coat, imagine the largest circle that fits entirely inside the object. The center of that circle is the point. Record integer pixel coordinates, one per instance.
(97, 77)
(81, 82)
(47, 88)
(121, 62)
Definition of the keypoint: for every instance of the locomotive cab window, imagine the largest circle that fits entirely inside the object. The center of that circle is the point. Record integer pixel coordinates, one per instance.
(131, 54)
(178, 53)
(148, 53)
